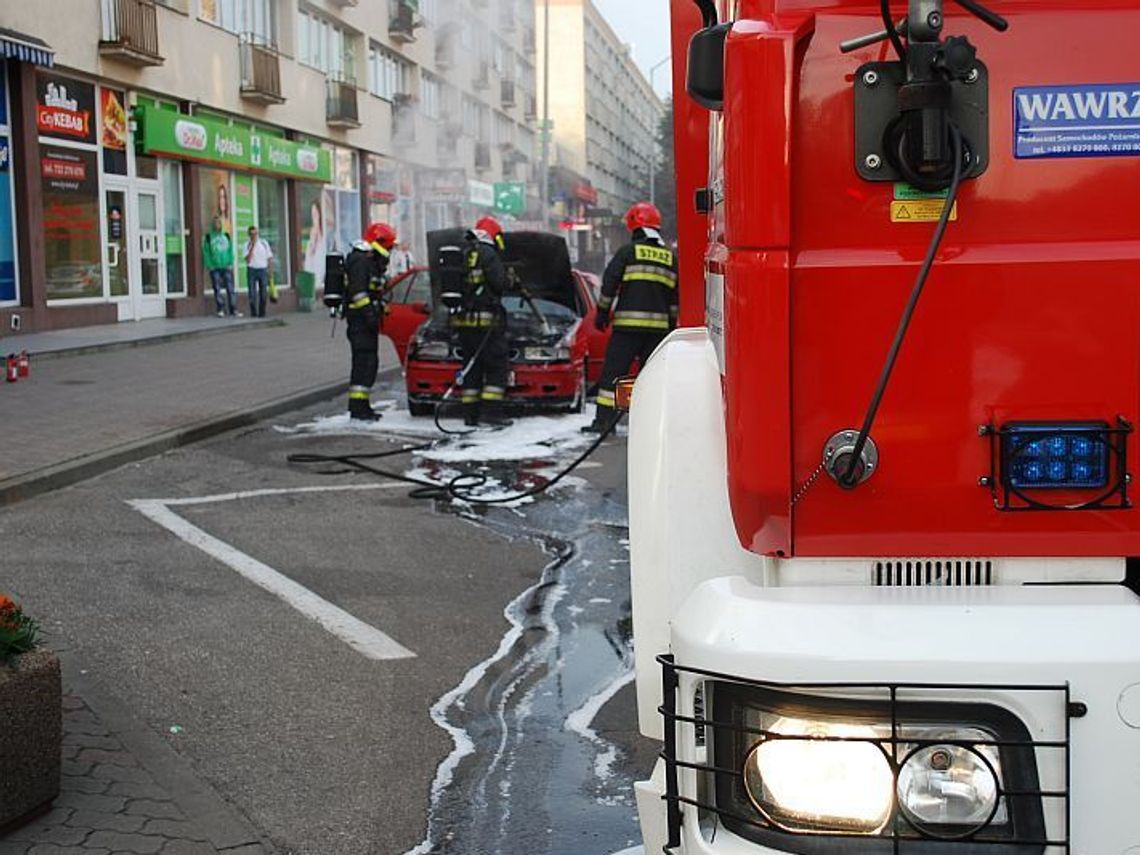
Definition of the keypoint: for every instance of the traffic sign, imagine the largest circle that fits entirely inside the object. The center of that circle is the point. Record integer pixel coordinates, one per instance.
(510, 197)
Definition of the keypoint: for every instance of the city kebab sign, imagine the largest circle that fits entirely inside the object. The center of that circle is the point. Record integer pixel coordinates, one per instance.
(65, 108)
(170, 134)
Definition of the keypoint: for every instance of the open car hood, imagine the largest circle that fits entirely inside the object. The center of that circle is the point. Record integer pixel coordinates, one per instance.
(541, 262)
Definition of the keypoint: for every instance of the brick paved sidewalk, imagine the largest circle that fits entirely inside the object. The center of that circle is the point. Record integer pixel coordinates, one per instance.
(125, 791)
(77, 416)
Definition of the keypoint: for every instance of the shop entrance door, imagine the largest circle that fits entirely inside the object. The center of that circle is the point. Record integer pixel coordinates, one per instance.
(133, 253)
(148, 290)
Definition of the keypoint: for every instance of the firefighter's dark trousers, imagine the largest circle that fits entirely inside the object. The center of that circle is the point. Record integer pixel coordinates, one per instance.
(624, 349)
(364, 339)
(486, 380)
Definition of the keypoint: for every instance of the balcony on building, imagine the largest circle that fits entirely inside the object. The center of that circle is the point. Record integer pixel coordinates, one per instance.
(341, 110)
(482, 156)
(507, 20)
(345, 3)
(507, 92)
(531, 111)
(260, 70)
(402, 25)
(130, 32)
(529, 42)
(482, 79)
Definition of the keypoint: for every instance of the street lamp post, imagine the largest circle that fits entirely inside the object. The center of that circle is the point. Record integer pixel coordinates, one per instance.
(653, 146)
(544, 178)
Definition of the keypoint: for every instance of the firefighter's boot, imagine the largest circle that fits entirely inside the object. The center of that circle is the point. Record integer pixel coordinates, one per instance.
(604, 419)
(493, 416)
(471, 414)
(360, 410)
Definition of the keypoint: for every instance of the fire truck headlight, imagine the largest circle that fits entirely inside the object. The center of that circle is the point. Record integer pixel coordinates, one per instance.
(864, 767)
(952, 787)
(821, 776)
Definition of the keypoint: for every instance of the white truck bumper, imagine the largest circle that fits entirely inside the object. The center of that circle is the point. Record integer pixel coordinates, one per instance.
(1085, 638)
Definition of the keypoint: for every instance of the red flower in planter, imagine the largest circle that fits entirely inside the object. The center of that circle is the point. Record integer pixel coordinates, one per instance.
(18, 632)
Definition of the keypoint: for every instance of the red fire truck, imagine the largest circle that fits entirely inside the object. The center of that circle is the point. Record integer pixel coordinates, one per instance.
(884, 542)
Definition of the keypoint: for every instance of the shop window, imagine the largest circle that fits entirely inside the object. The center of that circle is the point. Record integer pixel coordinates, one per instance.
(314, 242)
(174, 239)
(272, 223)
(9, 292)
(113, 130)
(72, 245)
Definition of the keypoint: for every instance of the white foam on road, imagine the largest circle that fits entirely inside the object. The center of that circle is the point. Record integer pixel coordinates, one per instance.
(361, 637)
(529, 438)
(581, 721)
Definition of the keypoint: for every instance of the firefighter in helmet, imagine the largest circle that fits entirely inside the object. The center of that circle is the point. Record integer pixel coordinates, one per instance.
(481, 326)
(639, 297)
(365, 267)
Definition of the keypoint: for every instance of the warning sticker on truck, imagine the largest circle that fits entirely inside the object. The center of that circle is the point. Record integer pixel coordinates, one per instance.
(1097, 120)
(920, 211)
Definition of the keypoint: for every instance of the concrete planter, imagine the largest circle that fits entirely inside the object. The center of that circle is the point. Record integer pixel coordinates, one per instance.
(32, 716)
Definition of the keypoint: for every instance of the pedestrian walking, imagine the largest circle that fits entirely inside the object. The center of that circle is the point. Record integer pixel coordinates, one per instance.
(218, 257)
(365, 267)
(639, 296)
(481, 326)
(402, 259)
(259, 267)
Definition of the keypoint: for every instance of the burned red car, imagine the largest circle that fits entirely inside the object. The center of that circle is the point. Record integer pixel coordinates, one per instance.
(556, 353)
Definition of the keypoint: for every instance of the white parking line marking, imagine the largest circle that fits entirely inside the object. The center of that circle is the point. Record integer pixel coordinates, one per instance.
(364, 639)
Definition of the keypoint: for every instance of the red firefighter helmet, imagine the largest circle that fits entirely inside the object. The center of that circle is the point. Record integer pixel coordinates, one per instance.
(643, 215)
(491, 226)
(382, 234)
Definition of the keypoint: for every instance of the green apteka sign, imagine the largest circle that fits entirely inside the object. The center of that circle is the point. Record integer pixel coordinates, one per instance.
(170, 134)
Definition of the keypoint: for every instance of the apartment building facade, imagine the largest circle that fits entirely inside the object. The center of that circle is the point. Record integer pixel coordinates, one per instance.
(605, 118)
(127, 127)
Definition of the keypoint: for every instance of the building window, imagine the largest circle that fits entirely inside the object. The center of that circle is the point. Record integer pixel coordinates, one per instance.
(253, 17)
(388, 75)
(323, 45)
(9, 291)
(430, 88)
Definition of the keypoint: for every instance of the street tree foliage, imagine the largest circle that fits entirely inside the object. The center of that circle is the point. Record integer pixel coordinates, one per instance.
(665, 179)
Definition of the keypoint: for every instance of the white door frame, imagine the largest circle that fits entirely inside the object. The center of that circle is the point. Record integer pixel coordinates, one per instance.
(147, 305)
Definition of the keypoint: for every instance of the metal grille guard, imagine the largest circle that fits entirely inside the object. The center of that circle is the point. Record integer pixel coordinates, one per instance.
(900, 836)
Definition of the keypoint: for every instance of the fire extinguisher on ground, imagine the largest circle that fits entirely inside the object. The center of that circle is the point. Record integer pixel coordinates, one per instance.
(23, 364)
(13, 368)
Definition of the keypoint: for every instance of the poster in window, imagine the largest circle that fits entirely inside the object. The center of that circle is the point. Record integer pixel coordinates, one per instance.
(69, 181)
(65, 108)
(314, 242)
(113, 130)
(7, 226)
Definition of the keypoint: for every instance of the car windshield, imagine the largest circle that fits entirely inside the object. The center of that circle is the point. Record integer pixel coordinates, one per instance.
(514, 304)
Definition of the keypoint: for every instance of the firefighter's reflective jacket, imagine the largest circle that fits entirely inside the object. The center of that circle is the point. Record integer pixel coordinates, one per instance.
(640, 284)
(484, 286)
(364, 268)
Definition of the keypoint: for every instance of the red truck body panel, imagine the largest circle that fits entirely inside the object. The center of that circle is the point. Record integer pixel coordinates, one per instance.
(1031, 313)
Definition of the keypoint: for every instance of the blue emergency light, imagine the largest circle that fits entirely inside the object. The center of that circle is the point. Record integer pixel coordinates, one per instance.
(1056, 455)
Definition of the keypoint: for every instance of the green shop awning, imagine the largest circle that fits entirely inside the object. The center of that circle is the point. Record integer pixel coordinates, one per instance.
(198, 138)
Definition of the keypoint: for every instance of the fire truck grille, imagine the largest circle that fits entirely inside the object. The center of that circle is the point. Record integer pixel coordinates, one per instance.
(919, 573)
(713, 732)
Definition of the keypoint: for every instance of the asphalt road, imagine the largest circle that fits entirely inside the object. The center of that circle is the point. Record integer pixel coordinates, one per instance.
(323, 749)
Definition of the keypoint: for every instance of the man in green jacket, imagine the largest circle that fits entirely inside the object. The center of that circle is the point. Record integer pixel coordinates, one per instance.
(218, 256)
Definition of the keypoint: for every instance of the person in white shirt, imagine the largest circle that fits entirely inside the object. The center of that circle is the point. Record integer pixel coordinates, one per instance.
(258, 264)
(402, 260)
